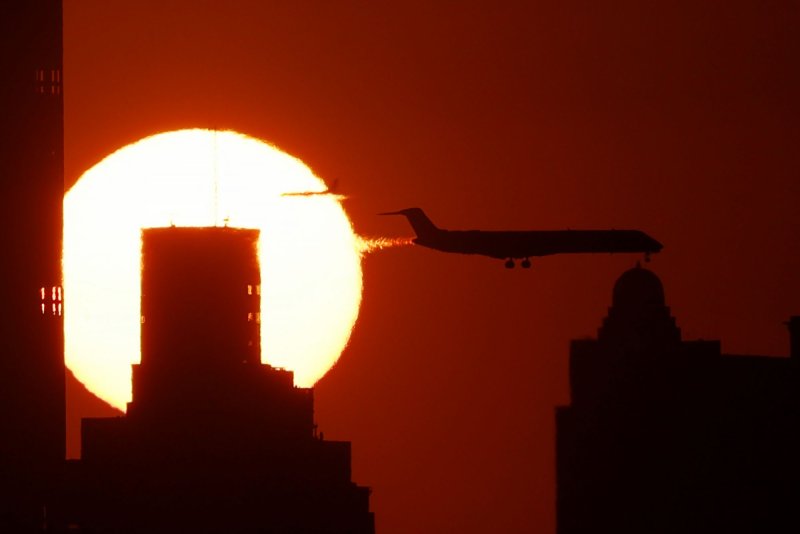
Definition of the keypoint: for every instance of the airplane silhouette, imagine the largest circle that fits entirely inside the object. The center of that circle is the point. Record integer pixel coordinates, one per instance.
(511, 245)
(328, 191)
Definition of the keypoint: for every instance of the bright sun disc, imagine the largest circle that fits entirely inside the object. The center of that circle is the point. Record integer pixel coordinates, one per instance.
(310, 265)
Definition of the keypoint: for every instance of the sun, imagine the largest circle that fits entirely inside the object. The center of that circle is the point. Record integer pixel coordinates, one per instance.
(309, 254)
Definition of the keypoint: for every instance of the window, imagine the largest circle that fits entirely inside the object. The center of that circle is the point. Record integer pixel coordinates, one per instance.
(52, 300)
(47, 81)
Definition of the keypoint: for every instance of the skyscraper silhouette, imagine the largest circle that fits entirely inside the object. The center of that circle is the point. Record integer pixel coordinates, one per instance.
(31, 326)
(214, 440)
(666, 435)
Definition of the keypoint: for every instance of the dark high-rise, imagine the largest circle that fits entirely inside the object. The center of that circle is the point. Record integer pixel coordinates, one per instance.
(31, 196)
(214, 440)
(666, 435)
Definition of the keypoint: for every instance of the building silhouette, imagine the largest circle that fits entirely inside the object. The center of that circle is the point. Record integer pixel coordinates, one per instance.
(32, 417)
(667, 435)
(213, 440)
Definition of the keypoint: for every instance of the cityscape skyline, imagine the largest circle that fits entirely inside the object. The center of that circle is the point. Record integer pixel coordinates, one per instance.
(677, 119)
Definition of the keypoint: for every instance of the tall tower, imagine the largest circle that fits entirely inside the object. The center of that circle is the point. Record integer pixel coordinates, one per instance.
(666, 435)
(31, 195)
(213, 440)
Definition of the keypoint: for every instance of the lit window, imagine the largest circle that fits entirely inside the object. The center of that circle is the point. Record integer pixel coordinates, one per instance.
(47, 84)
(55, 299)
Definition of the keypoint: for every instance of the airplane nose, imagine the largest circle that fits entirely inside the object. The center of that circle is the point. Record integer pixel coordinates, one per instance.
(657, 246)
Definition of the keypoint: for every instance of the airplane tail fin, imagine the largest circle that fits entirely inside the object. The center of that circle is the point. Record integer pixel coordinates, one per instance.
(420, 222)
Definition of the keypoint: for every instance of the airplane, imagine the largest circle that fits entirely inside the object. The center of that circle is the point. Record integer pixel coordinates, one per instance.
(522, 245)
(328, 191)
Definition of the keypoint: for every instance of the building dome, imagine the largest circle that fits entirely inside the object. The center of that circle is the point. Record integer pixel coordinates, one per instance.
(638, 289)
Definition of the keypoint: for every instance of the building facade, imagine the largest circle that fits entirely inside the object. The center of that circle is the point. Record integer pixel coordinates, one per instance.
(32, 417)
(213, 440)
(667, 435)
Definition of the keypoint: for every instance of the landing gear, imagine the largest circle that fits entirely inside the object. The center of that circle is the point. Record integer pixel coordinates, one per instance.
(509, 263)
(526, 263)
(647, 257)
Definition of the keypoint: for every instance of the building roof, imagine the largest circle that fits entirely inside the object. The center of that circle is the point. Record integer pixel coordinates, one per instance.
(638, 288)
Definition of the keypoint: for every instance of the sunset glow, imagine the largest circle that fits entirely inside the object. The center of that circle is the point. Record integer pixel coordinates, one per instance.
(310, 257)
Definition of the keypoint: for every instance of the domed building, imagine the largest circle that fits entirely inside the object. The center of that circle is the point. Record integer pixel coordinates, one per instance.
(639, 319)
(667, 435)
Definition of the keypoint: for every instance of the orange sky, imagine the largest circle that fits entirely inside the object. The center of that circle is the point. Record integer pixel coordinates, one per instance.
(678, 118)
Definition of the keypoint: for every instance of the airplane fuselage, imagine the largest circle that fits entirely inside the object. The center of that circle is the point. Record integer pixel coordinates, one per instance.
(525, 244)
